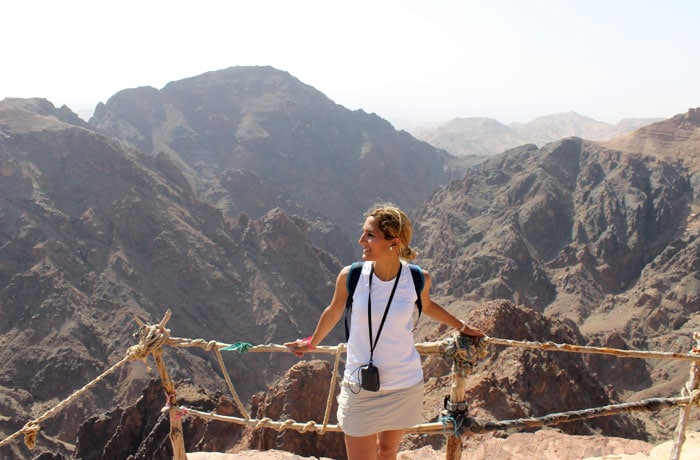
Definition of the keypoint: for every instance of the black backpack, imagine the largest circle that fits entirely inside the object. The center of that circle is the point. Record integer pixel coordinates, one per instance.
(354, 277)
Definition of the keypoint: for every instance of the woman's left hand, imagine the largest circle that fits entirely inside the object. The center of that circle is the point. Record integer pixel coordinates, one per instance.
(470, 331)
(300, 346)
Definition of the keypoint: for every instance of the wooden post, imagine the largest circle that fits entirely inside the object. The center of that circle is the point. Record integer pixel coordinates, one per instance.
(454, 443)
(457, 390)
(177, 439)
(690, 386)
(150, 340)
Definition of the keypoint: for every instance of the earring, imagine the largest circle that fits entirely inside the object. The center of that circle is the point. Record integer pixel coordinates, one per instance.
(391, 248)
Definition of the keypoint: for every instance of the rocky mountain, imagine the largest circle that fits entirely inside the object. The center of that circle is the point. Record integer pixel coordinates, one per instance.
(486, 136)
(255, 137)
(676, 139)
(583, 231)
(93, 233)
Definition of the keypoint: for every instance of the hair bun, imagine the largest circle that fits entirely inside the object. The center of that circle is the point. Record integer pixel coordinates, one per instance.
(408, 253)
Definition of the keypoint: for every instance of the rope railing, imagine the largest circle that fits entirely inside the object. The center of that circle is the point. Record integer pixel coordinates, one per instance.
(453, 423)
(565, 347)
(472, 425)
(438, 347)
(151, 339)
(31, 428)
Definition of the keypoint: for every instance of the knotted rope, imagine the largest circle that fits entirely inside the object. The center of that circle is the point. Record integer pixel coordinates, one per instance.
(470, 425)
(151, 337)
(266, 422)
(30, 431)
(652, 404)
(466, 352)
(565, 347)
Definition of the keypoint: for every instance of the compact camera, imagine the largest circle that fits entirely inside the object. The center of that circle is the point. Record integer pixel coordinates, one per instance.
(369, 377)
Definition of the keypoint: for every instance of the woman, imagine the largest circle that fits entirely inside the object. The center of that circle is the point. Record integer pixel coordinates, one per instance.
(375, 421)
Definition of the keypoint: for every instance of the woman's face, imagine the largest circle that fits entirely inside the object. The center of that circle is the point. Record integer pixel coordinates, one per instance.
(374, 244)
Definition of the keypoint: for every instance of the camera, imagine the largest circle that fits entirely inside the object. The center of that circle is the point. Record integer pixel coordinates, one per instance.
(369, 377)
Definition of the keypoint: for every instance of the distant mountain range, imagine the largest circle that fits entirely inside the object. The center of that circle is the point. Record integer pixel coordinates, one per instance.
(486, 136)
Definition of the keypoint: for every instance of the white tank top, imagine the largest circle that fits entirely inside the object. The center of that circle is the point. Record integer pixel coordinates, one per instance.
(395, 354)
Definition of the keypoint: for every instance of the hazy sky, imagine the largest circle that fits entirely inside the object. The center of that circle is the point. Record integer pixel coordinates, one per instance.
(421, 61)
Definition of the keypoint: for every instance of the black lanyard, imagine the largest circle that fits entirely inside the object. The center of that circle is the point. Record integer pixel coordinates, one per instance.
(372, 345)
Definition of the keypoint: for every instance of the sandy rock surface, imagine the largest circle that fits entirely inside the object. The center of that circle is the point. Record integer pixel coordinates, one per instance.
(542, 445)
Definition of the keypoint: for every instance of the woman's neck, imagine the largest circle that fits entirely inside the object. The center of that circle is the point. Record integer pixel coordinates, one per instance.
(387, 270)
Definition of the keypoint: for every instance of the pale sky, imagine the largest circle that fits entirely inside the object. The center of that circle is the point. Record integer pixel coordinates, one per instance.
(419, 61)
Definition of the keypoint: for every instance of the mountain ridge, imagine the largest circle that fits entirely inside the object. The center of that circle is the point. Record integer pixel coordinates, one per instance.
(487, 136)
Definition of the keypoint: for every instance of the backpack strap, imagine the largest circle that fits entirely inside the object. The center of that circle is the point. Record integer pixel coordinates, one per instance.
(418, 282)
(354, 278)
(351, 284)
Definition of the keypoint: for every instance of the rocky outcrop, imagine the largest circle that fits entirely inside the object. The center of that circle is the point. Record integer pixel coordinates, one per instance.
(140, 431)
(677, 138)
(556, 228)
(513, 383)
(300, 395)
(576, 230)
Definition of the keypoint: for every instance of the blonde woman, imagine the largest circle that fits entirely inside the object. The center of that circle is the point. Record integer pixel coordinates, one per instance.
(375, 414)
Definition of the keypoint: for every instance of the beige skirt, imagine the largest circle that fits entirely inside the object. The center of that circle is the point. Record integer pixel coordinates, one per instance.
(369, 412)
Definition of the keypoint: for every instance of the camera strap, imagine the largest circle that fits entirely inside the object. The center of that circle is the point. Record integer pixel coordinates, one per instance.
(373, 344)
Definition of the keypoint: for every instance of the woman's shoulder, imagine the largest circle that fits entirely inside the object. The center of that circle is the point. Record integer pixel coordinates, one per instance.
(345, 271)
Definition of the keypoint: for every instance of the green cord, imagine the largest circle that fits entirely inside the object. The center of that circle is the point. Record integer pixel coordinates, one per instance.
(240, 347)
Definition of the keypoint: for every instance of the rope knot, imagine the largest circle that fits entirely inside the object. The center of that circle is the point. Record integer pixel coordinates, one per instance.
(309, 426)
(466, 352)
(30, 431)
(151, 338)
(461, 422)
(694, 395)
